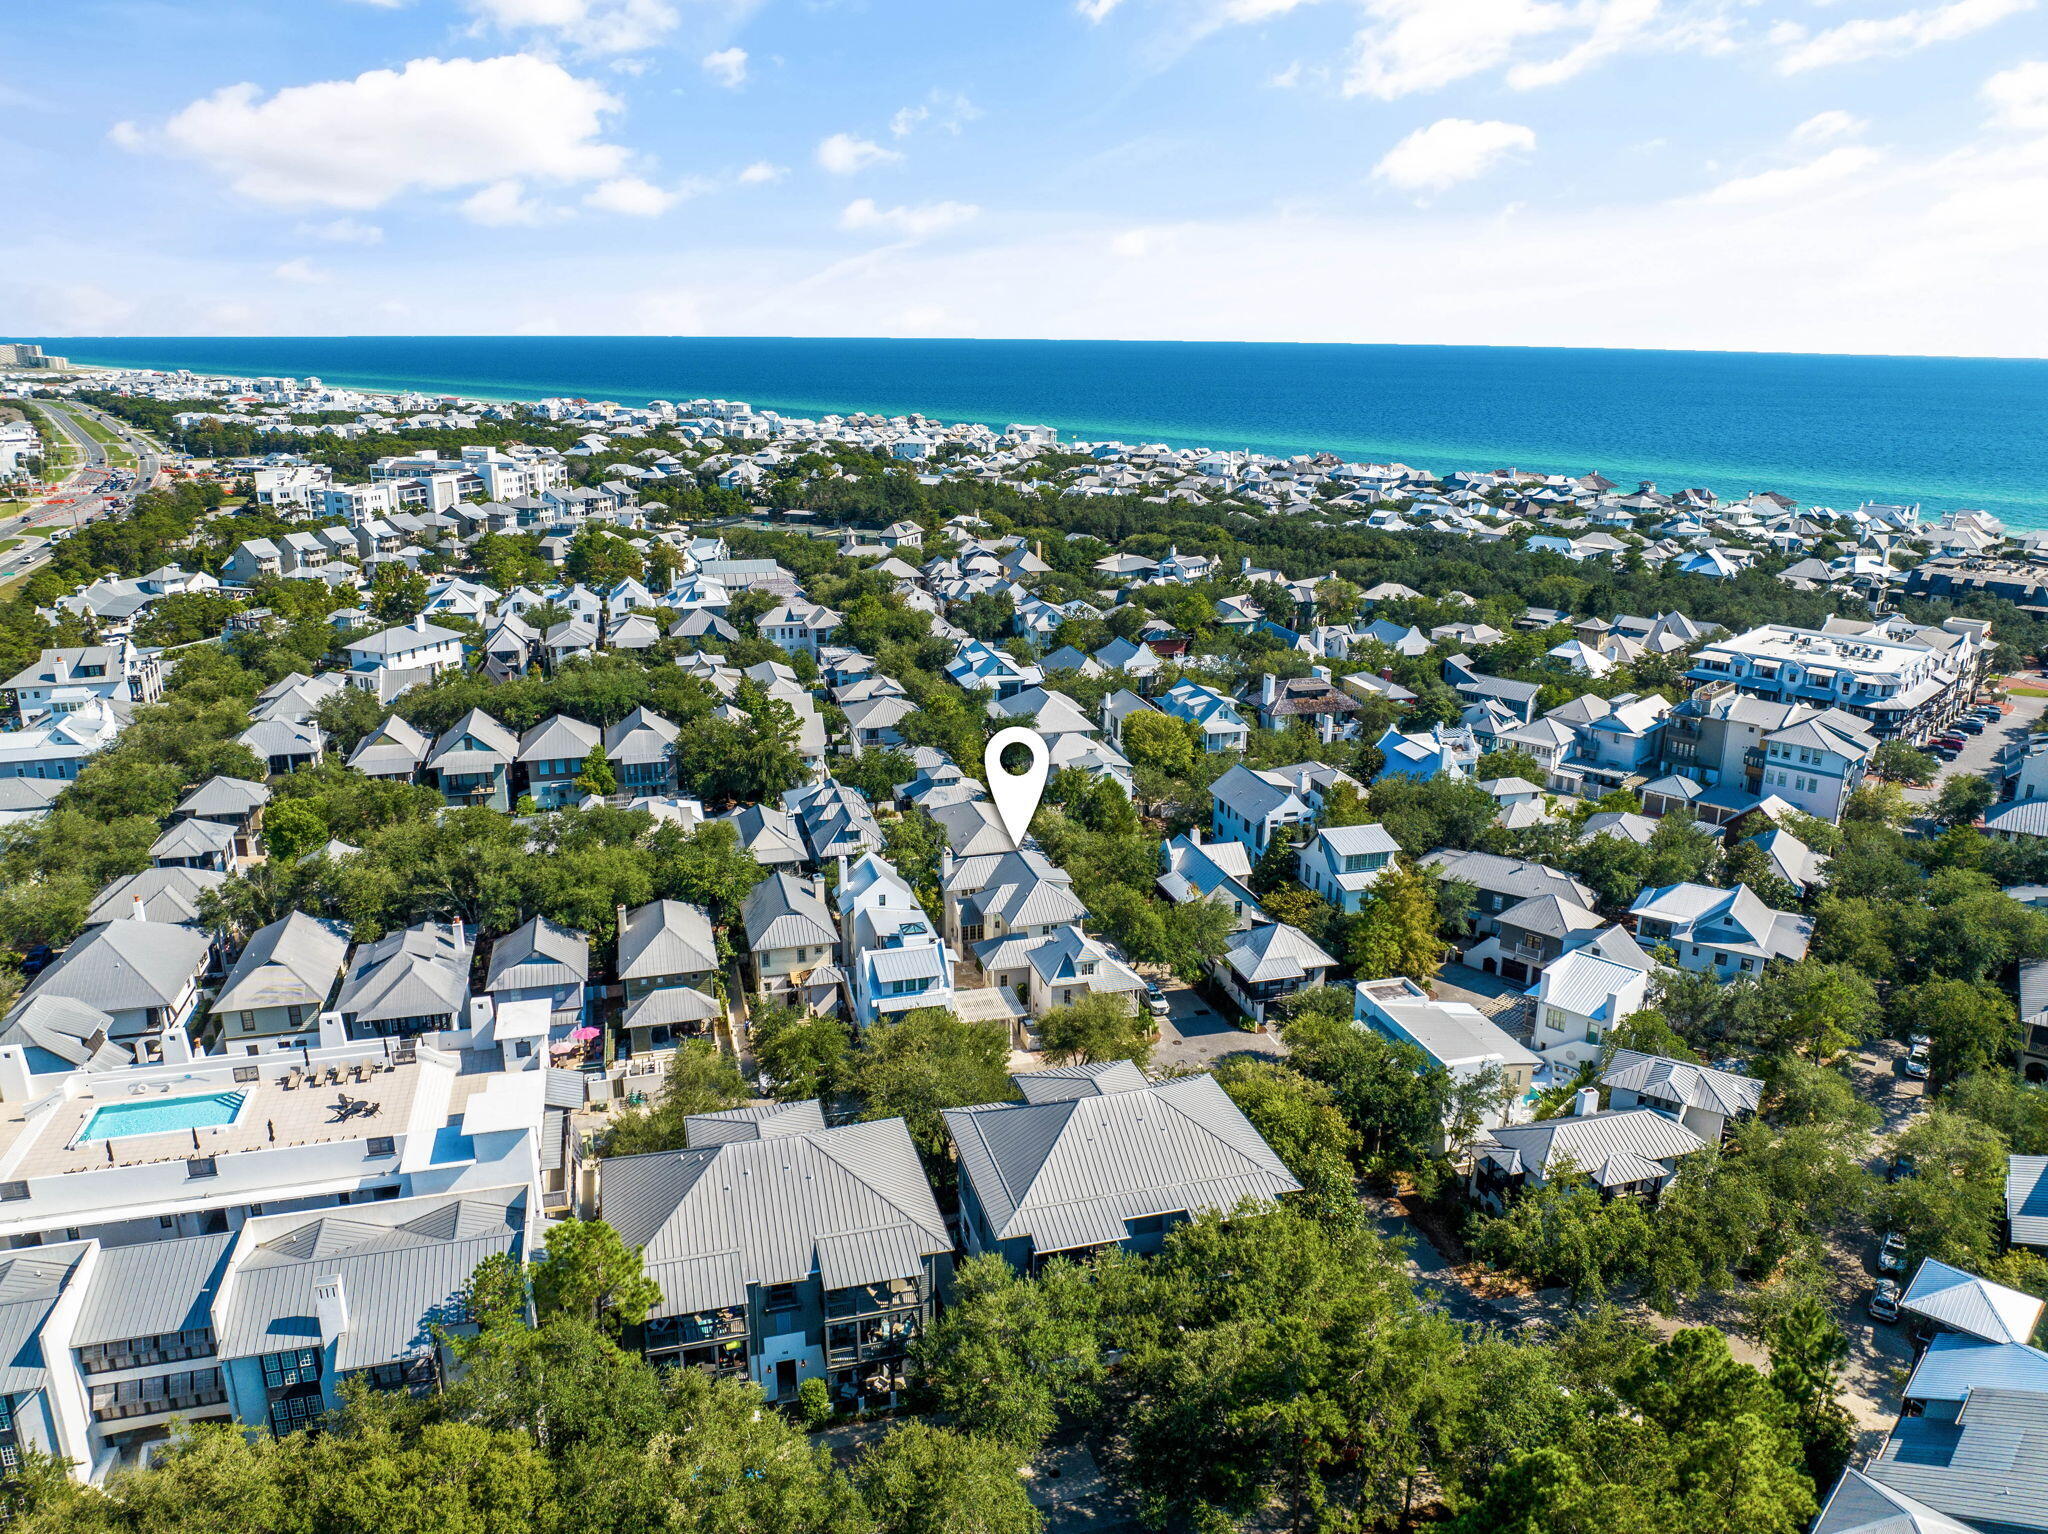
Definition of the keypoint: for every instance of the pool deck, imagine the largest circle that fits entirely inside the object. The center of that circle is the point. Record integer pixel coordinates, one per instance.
(271, 1117)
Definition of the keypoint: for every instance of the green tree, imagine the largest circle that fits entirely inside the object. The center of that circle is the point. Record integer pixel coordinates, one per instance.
(1396, 931)
(926, 1061)
(1096, 1028)
(806, 1054)
(1513, 762)
(589, 1272)
(928, 1480)
(1900, 762)
(602, 559)
(597, 776)
(1299, 1118)
(1969, 1028)
(1950, 1206)
(1275, 866)
(701, 1078)
(1161, 743)
(1009, 1355)
(1963, 800)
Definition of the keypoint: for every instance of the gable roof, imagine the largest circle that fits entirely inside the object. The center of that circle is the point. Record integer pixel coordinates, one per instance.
(666, 937)
(291, 962)
(538, 952)
(1068, 1171)
(1693, 1086)
(792, 1199)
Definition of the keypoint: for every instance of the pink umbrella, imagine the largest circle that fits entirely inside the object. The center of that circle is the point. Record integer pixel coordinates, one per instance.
(582, 1035)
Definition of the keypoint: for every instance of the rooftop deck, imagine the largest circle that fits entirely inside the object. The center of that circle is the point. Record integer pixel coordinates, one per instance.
(273, 1115)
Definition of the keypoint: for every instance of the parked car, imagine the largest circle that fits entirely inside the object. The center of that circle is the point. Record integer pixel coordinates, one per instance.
(1916, 1066)
(1945, 753)
(1884, 1301)
(1970, 726)
(1891, 1252)
(1155, 1003)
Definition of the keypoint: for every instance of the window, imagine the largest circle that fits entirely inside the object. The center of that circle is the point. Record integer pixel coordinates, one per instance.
(201, 1166)
(247, 1073)
(780, 1297)
(381, 1145)
(298, 1366)
(13, 1192)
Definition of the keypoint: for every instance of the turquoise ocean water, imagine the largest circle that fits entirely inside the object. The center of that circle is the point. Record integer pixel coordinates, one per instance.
(1833, 431)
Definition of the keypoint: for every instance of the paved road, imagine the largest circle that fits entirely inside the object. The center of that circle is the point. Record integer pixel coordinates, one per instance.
(84, 493)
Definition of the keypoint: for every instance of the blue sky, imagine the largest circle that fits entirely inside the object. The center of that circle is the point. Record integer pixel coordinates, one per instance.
(1815, 175)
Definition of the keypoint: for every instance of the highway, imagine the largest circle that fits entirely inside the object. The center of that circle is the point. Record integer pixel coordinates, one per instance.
(84, 493)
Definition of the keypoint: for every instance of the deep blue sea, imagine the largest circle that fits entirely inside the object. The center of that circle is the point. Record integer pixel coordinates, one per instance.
(1832, 431)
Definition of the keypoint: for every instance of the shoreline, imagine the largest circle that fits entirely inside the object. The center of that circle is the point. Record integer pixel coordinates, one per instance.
(1729, 480)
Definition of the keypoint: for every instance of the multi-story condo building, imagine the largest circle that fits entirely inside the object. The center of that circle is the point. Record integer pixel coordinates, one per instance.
(1902, 680)
(1810, 755)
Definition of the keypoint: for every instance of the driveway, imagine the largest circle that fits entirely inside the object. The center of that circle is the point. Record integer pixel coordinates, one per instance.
(1194, 1035)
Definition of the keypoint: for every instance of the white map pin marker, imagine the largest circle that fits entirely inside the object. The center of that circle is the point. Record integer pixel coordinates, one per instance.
(1016, 793)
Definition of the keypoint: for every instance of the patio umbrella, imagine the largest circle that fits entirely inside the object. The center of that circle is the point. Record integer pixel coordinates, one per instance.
(583, 1035)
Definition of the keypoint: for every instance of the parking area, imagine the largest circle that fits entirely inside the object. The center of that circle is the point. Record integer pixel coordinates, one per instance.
(1982, 754)
(1194, 1035)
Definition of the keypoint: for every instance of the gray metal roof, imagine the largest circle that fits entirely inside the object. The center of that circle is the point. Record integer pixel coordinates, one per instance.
(1989, 1466)
(1966, 1303)
(289, 963)
(1955, 1365)
(1060, 1083)
(420, 971)
(402, 1265)
(152, 1287)
(763, 1206)
(224, 796)
(538, 953)
(1859, 1505)
(784, 911)
(31, 1281)
(1613, 1148)
(1677, 1081)
(2026, 1200)
(126, 966)
(666, 937)
(558, 737)
(1517, 877)
(1068, 1173)
(754, 1121)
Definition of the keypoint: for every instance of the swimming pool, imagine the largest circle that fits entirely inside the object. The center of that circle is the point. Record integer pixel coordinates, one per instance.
(161, 1115)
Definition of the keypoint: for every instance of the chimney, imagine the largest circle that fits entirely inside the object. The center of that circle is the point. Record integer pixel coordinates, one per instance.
(15, 1083)
(1244, 564)
(1585, 1102)
(1269, 689)
(330, 1305)
(135, 911)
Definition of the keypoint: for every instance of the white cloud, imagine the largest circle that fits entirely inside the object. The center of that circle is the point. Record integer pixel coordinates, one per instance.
(1819, 174)
(298, 270)
(913, 223)
(1448, 151)
(728, 67)
(1421, 45)
(842, 154)
(591, 26)
(1873, 37)
(631, 196)
(501, 205)
(1823, 127)
(435, 125)
(947, 111)
(2018, 96)
(1095, 10)
(761, 172)
(344, 231)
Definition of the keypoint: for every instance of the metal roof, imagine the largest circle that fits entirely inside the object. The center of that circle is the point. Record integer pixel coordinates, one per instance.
(1954, 1365)
(2026, 1200)
(1693, 1086)
(784, 911)
(402, 1265)
(152, 1287)
(30, 1283)
(1069, 1172)
(666, 937)
(538, 953)
(1859, 1505)
(1612, 1148)
(1967, 1303)
(1989, 1466)
(771, 1201)
(291, 962)
(127, 966)
(224, 796)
